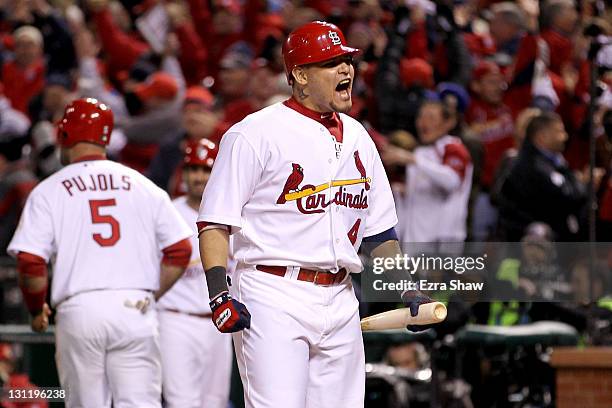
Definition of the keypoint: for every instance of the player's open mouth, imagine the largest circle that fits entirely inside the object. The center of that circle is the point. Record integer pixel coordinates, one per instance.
(344, 89)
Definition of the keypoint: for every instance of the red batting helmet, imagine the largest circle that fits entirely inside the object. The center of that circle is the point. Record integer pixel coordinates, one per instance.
(201, 153)
(314, 42)
(85, 120)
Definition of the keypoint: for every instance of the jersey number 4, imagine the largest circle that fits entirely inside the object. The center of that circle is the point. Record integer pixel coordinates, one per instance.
(97, 218)
(352, 234)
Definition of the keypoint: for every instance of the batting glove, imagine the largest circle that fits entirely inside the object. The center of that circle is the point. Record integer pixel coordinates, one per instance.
(413, 299)
(229, 315)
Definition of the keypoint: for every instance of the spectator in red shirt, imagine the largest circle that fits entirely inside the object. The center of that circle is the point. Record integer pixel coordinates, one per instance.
(560, 22)
(122, 47)
(488, 117)
(490, 120)
(24, 76)
(263, 85)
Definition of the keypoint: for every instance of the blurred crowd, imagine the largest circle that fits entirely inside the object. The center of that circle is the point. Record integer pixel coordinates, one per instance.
(480, 108)
(477, 71)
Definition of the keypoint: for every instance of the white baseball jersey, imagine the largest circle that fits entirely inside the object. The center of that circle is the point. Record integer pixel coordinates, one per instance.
(189, 294)
(102, 224)
(438, 188)
(293, 196)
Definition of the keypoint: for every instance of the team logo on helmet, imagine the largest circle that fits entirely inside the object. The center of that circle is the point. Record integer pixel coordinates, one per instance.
(334, 37)
(202, 152)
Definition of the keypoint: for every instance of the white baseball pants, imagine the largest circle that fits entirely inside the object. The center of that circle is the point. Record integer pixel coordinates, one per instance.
(304, 348)
(107, 351)
(196, 362)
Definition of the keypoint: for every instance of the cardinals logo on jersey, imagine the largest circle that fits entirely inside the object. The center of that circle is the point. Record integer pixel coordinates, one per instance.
(361, 169)
(292, 183)
(309, 198)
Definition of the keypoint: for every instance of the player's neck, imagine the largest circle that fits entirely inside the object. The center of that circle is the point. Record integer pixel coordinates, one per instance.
(86, 151)
(306, 110)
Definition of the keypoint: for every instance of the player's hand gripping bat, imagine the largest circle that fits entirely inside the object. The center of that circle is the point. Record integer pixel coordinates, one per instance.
(429, 313)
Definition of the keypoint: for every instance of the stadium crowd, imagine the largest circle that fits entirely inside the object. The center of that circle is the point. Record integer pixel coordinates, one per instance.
(183, 70)
(479, 108)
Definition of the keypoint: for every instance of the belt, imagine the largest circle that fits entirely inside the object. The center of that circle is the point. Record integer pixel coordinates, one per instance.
(201, 315)
(322, 278)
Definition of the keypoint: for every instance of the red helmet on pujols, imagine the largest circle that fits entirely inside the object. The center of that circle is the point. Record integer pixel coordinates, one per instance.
(85, 120)
(314, 42)
(201, 153)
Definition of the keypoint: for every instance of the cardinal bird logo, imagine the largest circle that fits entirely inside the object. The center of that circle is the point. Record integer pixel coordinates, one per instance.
(361, 169)
(292, 183)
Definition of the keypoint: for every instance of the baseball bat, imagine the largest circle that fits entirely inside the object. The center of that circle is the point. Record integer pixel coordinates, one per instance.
(322, 187)
(429, 313)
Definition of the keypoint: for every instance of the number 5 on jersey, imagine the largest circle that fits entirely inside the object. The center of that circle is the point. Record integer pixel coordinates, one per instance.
(97, 218)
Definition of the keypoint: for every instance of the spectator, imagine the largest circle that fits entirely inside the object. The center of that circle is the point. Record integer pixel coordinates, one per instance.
(540, 186)
(509, 157)
(263, 85)
(490, 120)
(222, 23)
(401, 86)
(90, 79)
(24, 76)
(193, 54)
(507, 27)
(438, 180)
(45, 152)
(122, 47)
(58, 48)
(58, 45)
(560, 20)
(199, 121)
(457, 100)
(13, 124)
(50, 103)
(604, 194)
(16, 182)
(536, 273)
(154, 107)
(234, 73)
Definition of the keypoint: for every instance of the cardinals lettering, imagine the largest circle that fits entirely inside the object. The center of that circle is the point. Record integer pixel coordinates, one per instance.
(311, 199)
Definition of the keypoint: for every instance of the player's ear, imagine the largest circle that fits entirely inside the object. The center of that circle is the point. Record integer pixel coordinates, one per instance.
(300, 76)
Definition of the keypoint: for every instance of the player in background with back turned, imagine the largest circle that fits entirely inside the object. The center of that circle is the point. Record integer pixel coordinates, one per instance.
(104, 227)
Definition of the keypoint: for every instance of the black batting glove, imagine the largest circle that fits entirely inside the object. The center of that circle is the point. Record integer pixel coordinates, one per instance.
(412, 300)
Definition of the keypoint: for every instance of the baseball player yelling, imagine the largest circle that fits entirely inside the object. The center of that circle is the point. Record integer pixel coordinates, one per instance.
(300, 185)
(105, 227)
(196, 358)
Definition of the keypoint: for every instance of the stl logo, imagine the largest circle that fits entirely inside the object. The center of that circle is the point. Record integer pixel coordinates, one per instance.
(202, 153)
(334, 37)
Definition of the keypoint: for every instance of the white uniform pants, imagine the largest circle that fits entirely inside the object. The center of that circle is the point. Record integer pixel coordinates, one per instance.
(196, 362)
(304, 348)
(107, 351)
